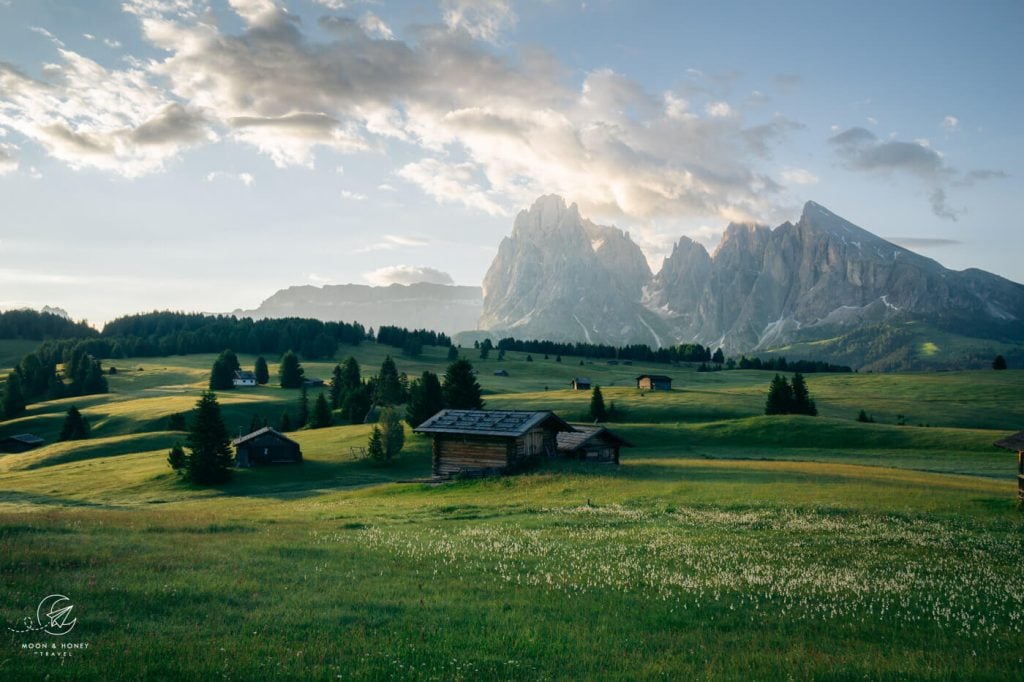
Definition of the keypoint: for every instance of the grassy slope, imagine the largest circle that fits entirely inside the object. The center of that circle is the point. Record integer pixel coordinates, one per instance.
(727, 545)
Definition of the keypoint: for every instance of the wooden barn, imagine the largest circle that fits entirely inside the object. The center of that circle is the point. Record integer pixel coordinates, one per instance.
(490, 442)
(580, 384)
(266, 446)
(1015, 443)
(654, 382)
(23, 442)
(243, 378)
(591, 443)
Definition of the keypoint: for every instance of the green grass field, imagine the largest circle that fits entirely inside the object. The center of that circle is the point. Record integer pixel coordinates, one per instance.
(728, 545)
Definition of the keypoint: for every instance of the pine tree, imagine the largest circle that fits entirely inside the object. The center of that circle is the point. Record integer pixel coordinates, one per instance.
(389, 389)
(375, 448)
(75, 426)
(303, 407)
(14, 399)
(94, 382)
(337, 389)
(392, 433)
(802, 402)
(863, 416)
(780, 397)
(356, 404)
(176, 458)
(453, 353)
(222, 374)
(558, 358)
(261, 371)
(460, 388)
(290, 371)
(999, 362)
(719, 357)
(286, 423)
(321, 413)
(351, 378)
(597, 410)
(210, 457)
(426, 399)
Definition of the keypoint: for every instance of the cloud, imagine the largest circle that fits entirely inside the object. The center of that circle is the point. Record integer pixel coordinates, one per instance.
(375, 27)
(450, 184)
(394, 241)
(247, 179)
(352, 196)
(482, 19)
(923, 242)
(950, 124)
(407, 274)
(8, 158)
(799, 176)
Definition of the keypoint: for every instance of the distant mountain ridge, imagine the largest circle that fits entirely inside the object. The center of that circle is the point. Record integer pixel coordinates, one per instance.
(443, 308)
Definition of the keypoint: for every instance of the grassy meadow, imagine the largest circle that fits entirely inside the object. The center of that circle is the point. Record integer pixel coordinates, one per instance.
(728, 545)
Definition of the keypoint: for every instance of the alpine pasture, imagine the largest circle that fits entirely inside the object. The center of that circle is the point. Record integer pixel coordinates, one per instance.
(727, 545)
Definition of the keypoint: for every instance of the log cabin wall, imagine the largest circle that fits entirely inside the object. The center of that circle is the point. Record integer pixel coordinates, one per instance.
(456, 453)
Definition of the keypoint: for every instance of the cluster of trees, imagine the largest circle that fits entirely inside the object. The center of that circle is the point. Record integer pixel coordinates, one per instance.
(411, 341)
(687, 352)
(387, 438)
(36, 377)
(36, 326)
(780, 364)
(789, 398)
(168, 333)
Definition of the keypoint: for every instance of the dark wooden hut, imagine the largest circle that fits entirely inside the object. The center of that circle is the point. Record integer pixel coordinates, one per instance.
(22, 442)
(591, 443)
(580, 384)
(266, 446)
(490, 442)
(654, 382)
(1015, 443)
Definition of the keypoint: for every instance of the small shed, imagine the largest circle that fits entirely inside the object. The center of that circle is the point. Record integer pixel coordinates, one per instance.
(580, 384)
(266, 446)
(591, 443)
(244, 377)
(484, 442)
(22, 442)
(313, 382)
(501, 373)
(1015, 443)
(654, 382)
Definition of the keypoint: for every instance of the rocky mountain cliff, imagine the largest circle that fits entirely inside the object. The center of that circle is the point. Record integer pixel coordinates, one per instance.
(560, 277)
(448, 309)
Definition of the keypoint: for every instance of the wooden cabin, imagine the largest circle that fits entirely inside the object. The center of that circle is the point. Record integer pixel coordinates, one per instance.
(1015, 443)
(266, 446)
(592, 444)
(23, 442)
(243, 378)
(501, 373)
(490, 442)
(580, 384)
(654, 382)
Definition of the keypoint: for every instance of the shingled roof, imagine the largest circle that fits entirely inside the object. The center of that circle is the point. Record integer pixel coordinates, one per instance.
(27, 439)
(512, 423)
(1014, 442)
(569, 441)
(259, 432)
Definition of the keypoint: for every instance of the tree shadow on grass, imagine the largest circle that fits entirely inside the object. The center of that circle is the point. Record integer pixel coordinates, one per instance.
(20, 497)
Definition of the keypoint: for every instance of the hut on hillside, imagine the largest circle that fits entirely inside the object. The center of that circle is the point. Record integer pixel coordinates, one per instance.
(243, 378)
(501, 373)
(580, 384)
(1015, 443)
(490, 442)
(591, 443)
(654, 382)
(23, 442)
(266, 446)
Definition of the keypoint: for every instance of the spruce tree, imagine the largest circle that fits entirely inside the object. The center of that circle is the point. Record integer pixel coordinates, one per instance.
(999, 362)
(176, 422)
(75, 426)
(222, 374)
(303, 407)
(210, 457)
(460, 388)
(375, 448)
(719, 357)
(597, 410)
(337, 389)
(453, 353)
(389, 389)
(802, 402)
(356, 404)
(321, 413)
(391, 432)
(780, 397)
(286, 423)
(176, 458)
(426, 399)
(350, 376)
(261, 371)
(290, 372)
(14, 400)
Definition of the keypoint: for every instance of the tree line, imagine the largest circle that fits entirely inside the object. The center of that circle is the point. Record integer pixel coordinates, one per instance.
(687, 352)
(32, 325)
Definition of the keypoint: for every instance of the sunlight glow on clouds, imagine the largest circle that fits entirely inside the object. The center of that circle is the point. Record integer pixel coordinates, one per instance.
(407, 274)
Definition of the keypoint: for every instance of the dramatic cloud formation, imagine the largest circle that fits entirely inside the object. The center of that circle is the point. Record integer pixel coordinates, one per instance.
(407, 274)
(861, 150)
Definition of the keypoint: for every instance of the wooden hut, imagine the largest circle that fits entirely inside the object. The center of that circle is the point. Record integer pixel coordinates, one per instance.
(591, 443)
(654, 382)
(243, 378)
(580, 384)
(266, 446)
(1015, 443)
(489, 442)
(22, 442)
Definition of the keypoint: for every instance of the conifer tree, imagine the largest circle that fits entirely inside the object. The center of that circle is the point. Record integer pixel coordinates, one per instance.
(999, 362)
(426, 399)
(321, 413)
(356, 404)
(286, 423)
(14, 398)
(392, 433)
(337, 388)
(261, 371)
(222, 374)
(780, 397)
(210, 457)
(375, 448)
(460, 388)
(303, 407)
(802, 402)
(389, 389)
(597, 409)
(290, 372)
(453, 353)
(75, 426)
(176, 422)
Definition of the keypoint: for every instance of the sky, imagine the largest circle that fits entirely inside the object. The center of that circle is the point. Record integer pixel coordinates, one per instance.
(202, 154)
